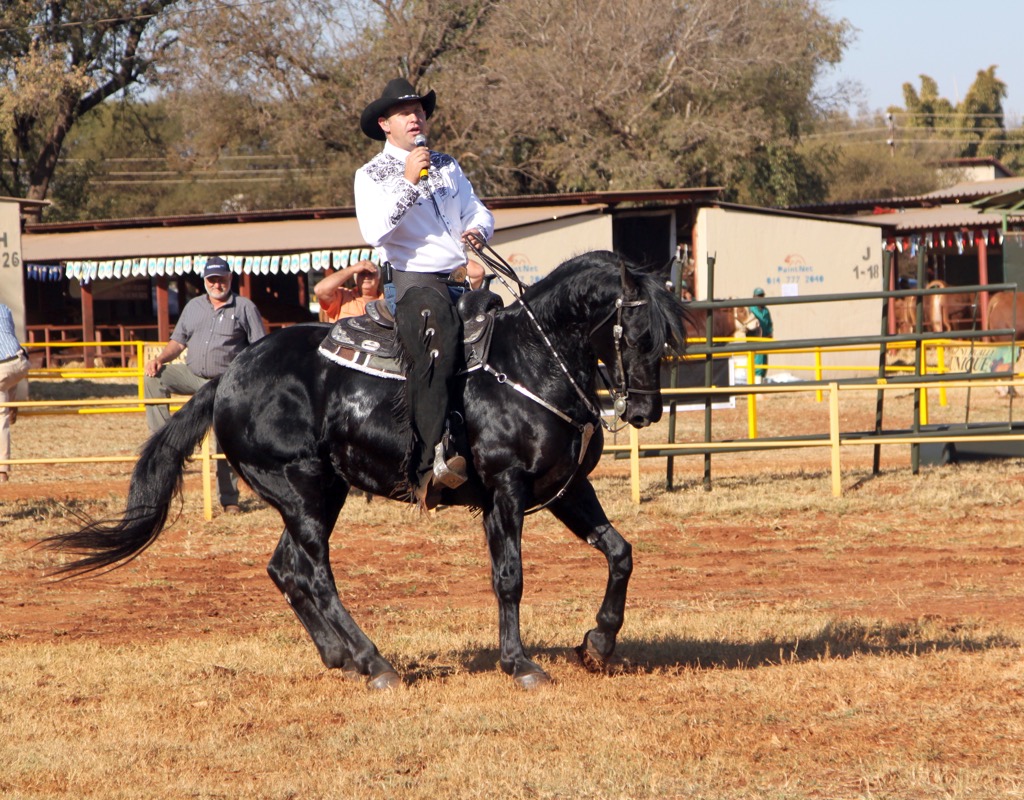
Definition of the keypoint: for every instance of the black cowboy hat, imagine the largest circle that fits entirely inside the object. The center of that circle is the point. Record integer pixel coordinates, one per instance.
(397, 91)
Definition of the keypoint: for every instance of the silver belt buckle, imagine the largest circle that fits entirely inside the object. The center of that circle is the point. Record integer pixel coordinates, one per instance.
(457, 277)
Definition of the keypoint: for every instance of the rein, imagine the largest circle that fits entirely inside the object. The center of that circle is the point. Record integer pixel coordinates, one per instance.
(502, 270)
(619, 394)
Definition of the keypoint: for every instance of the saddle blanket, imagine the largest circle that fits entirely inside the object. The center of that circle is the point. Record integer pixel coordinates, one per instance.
(369, 343)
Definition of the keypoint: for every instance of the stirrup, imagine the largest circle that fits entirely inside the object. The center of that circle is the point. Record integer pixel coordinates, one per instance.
(450, 472)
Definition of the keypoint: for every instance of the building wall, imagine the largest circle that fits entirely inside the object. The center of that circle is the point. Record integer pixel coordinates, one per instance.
(12, 271)
(794, 257)
(535, 250)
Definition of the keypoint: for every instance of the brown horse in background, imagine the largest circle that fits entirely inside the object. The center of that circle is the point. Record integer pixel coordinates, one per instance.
(904, 314)
(947, 312)
(725, 322)
(1006, 311)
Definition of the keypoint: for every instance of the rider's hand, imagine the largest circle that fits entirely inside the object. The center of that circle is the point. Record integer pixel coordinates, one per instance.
(415, 163)
(474, 238)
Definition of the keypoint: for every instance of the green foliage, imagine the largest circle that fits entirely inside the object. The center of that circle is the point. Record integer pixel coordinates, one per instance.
(975, 125)
(781, 175)
(533, 97)
(60, 60)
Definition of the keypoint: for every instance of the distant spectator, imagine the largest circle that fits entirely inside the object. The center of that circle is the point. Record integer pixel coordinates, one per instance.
(338, 300)
(13, 370)
(764, 319)
(211, 331)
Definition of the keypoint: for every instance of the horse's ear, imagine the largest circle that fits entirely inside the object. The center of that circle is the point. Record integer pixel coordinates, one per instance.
(629, 284)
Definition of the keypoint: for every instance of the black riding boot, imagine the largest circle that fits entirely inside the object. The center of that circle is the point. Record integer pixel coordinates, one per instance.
(428, 328)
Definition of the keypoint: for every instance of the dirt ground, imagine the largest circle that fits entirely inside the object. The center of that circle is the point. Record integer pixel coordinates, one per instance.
(858, 560)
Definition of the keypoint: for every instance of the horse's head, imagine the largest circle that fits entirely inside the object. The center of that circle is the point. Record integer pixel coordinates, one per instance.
(631, 339)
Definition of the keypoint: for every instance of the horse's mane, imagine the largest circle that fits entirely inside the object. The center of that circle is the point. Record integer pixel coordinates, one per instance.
(594, 281)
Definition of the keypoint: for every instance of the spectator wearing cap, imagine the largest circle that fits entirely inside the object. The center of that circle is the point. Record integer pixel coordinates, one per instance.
(212, 329)
(767, 330)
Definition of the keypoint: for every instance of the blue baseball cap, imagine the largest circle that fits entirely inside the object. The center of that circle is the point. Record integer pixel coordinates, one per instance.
(215, 265)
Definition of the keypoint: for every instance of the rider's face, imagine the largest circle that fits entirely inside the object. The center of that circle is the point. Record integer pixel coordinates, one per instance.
(404, 123)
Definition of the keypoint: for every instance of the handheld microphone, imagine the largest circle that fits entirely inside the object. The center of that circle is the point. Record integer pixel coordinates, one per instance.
(421, 141)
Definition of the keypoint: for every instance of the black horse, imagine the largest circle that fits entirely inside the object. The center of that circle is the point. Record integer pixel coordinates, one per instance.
(302, 430)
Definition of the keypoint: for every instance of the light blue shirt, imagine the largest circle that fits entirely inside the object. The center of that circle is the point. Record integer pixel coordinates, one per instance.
(9, 345)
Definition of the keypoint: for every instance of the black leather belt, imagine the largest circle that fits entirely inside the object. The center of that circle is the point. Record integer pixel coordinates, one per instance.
(457, 277)
(11, 358)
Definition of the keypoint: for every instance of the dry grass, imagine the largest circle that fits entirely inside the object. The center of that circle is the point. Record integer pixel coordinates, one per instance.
(779, 643)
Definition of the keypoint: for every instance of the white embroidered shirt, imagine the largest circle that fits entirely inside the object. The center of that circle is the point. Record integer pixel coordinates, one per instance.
(413, 231)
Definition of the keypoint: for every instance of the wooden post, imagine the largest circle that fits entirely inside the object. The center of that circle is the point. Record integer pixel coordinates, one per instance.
(634, 464)
(163, 314)
(983, 280)
(88, 322)
(833, 429)
(245, 285)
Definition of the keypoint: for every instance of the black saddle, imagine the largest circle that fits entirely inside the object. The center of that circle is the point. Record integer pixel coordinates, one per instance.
(369, 343)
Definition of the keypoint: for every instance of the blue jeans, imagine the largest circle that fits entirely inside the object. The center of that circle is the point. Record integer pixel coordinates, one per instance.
(391, 295)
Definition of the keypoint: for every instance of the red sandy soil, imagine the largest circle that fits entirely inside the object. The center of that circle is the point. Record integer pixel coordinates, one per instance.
(201, 577)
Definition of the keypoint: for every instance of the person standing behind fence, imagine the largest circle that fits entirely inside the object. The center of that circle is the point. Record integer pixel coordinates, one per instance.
(337, 300)
(764, 319)
(212, 329)
(13, 370)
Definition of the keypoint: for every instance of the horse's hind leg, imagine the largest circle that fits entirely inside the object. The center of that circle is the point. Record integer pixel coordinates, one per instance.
(300, 567)
(334, 649)
(581, 512)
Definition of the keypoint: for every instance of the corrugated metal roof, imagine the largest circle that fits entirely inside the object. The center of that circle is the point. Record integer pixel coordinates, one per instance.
(976, 189)
(579, 199)
(961, 192)
(1012, 202)
(917, 220)
(253, 237)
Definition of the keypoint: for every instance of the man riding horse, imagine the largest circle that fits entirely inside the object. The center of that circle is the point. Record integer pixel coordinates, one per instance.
(420, 210)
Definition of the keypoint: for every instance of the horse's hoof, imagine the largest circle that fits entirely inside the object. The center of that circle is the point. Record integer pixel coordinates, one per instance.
(384, 681)
(590, 656)
(533, 680)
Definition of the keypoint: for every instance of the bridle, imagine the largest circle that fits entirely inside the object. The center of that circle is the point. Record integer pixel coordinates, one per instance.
(619, 394)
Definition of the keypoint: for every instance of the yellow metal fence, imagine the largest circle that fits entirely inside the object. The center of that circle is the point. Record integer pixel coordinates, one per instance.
(835, 438)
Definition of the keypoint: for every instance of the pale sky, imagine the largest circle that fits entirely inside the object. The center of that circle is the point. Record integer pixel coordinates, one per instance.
(898, 40)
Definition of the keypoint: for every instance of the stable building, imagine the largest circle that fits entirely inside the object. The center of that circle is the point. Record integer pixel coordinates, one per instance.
(127, 279)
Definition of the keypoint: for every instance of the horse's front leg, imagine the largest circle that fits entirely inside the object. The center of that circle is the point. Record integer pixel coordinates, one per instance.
(503, 525)
(581, 512)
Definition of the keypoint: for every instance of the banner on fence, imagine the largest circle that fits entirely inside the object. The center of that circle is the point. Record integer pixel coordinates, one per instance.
(1002, 358)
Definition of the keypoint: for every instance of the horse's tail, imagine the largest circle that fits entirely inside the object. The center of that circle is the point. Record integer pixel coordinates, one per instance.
(156, 480)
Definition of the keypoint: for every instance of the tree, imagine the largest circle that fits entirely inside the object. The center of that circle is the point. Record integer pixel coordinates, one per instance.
(981, 115)
(927, 109)
(60, 60)
(975, 125)
(533, 96)
(652, 93)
